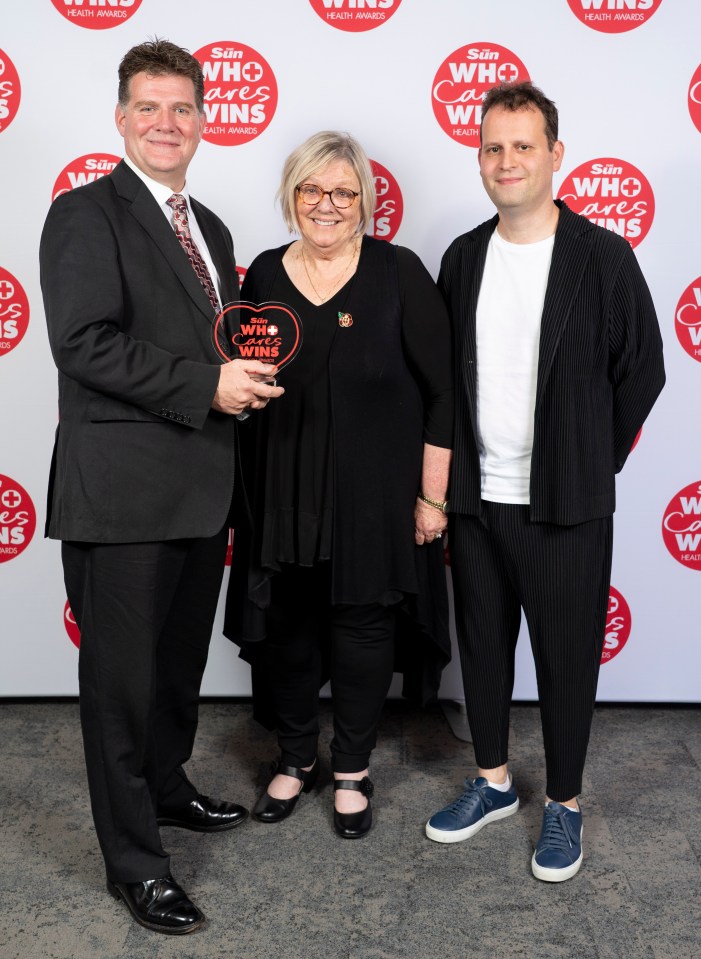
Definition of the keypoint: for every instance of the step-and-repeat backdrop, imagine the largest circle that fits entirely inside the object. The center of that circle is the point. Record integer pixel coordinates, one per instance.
(406, 77)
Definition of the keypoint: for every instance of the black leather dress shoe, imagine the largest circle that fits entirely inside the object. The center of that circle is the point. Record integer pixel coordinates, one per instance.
(203, 815)
(353, 825)
(268, 809)
(159, 904)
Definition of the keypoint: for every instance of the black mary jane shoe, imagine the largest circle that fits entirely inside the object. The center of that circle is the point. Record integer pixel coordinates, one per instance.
(159, 904)
(353, 825)
(269, 809)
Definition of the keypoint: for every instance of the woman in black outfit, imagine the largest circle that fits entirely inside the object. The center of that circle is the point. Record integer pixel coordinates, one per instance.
(348, 480)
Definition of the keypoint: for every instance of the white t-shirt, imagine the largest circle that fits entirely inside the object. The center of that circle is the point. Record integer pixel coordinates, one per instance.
(509, 311)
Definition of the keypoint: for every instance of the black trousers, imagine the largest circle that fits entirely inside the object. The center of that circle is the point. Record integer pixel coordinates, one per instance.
(145, 613)
(560, 577)
(301, 624)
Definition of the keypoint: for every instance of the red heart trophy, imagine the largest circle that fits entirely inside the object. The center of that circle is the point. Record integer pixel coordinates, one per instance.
(270, 332)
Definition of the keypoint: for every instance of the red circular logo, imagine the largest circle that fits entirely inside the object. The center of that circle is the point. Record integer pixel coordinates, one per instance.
(240, 93)
(18, 519)
(461, 82)
(390, 206)
(9, 91)
(355, 15)
(687, 319)
(613, 194)
(14, 312)
(71, 625)
(613, 16)
(618, 624)
(97, 14)
(694, 98)
(84, 170)
(681, 526)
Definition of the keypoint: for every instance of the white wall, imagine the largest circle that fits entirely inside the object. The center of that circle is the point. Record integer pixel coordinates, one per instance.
(623, 96)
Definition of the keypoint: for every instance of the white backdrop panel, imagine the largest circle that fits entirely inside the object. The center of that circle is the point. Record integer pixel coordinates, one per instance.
(621, 95)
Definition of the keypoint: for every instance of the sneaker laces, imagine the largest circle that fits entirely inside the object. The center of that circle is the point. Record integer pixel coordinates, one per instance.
(558, 831)
(474, 795)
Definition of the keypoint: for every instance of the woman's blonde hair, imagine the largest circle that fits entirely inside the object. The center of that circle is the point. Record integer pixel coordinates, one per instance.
(314, 154)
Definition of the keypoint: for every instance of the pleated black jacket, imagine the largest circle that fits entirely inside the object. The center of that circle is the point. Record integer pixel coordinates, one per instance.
(600, 369)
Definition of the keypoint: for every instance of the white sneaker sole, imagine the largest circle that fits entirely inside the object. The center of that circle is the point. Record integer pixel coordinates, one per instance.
(457, 835)
(556, 875)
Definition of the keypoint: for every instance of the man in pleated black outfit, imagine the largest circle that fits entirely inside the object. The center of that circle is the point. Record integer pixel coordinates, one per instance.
(558, 363)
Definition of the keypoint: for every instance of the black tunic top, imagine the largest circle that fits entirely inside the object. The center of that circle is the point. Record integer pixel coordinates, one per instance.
(297, 511)
(332, 468)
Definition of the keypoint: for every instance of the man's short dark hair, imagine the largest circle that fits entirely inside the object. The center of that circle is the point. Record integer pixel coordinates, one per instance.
(160, 58)
(523, 96)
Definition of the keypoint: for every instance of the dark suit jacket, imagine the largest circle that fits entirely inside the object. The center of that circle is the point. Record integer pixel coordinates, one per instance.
(140, 455)
(600, 369)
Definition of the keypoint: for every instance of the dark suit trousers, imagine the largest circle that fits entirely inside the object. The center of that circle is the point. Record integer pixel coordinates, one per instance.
(145, 613)
(560, 577)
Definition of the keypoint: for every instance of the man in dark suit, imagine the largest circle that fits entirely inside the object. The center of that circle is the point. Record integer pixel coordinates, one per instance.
(558, 363)
(133, 272)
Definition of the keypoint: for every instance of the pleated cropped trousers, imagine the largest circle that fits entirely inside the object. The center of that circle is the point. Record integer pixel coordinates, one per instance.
(502, 563)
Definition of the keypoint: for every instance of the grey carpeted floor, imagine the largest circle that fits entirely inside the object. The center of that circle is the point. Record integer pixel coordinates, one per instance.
(297, 890)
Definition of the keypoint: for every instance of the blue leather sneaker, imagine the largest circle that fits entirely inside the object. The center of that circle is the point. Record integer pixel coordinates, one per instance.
(558, 854)
(478, 805)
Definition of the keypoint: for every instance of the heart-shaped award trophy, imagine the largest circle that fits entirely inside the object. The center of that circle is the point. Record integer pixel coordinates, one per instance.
(270, 332)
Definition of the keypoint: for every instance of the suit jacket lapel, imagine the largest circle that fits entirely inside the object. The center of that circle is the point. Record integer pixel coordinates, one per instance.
(145, 209)
(221, 255)
(569, 261)
(470, 281)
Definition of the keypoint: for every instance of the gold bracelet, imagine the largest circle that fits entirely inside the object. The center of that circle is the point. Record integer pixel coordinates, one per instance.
(437, 504)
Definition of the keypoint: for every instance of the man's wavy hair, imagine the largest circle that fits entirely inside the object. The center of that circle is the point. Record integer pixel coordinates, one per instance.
(523, 96)
(160, 58)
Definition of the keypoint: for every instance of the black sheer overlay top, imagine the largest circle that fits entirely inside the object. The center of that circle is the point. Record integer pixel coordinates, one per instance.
(331, 470)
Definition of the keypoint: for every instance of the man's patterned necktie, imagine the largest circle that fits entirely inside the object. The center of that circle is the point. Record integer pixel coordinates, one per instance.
(178, 204)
